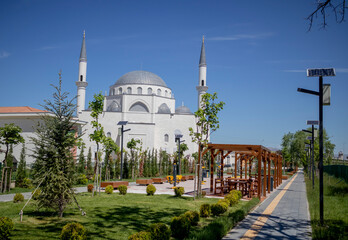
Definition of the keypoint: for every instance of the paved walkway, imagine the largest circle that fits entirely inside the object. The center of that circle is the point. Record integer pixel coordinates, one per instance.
(283, 215)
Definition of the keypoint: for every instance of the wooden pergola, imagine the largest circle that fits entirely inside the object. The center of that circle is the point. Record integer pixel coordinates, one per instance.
(247, 154)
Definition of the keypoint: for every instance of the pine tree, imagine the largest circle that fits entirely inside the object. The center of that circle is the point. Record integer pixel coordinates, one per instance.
(54, 158)
(81, 164)
(89, 169)
(21, 170)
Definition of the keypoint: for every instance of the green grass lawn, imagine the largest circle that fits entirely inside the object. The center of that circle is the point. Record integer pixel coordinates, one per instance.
(108, 216)
(335, 208)
(18, 190)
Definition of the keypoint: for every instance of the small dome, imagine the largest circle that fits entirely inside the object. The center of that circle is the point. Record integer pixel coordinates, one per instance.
(183, 110)
(141, 77)
(163, 109)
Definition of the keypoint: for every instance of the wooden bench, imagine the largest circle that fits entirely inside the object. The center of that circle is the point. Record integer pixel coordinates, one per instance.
(284, 177)
(114, 184)
(184, 178)
(144, 181)
(191, 177)
(158, 180)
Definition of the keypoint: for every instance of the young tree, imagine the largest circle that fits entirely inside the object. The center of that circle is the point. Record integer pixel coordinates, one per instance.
(10, 134)
(98, 135)
(132, 145)
(21, 170)
(109, 148)
(55, 139)
(207, 123)
(89, 170)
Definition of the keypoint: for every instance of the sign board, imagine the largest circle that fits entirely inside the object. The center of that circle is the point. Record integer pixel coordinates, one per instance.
(309, 138)
(326, 94)
(312, 122)
(324, 72)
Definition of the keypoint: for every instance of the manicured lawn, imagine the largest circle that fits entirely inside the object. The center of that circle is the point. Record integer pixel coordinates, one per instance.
(18, 190)
(335, 208)
(108, 216)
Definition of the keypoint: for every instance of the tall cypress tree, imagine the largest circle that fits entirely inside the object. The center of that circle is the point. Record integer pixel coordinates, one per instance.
(82, 163)
(21, 170)
(89, 170)
(54, 159)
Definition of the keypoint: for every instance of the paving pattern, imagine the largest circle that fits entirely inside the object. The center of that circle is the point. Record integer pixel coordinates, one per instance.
(283, 215)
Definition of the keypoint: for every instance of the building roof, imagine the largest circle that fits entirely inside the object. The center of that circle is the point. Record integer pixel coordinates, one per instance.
(25, 109)
(141, 77)
(183, 110)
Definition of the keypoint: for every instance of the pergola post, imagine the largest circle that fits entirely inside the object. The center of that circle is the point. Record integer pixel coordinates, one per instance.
(212, 160)
(222, 164)
(264, 174)
(235, 164)
(259, 157)
(269, 174)
(246, 166)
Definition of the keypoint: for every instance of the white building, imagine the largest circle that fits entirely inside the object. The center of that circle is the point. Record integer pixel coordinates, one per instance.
(142, 98)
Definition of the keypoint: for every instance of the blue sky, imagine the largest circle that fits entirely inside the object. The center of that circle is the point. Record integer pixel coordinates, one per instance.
(257, 53)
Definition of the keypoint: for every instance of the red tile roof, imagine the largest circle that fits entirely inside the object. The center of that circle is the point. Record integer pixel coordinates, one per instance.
(25, 109)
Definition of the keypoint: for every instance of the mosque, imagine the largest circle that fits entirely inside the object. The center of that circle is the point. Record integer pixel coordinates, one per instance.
(144, 101)
(140, 99)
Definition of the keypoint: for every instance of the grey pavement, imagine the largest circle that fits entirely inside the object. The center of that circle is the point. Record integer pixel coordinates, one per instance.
(289, 220)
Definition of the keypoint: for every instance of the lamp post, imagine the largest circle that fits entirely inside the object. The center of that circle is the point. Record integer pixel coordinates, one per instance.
(329, 72)
(122, 123)
(177, 139)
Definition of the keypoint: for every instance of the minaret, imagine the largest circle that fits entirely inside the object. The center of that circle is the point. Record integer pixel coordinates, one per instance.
(81, 83)
(202, 83)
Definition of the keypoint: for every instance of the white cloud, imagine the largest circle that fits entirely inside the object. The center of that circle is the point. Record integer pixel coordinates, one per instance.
(241, 37)
(4, 54)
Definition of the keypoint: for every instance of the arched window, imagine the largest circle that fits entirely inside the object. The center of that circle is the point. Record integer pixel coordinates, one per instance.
(114, 91)
(138, 107)
(149, 91)
(202, 82)
(166, 93)
(108, 134)
(140, 90)
(129, 90)
(166, 137)
(120, 90)
(159, 92)
(81, 78)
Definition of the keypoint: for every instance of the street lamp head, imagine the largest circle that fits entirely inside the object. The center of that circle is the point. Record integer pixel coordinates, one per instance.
(122, 123)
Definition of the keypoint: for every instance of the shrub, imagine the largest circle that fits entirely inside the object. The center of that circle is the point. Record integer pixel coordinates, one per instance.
(232, 197)
(225, 201)
(205, 210)
(140, 236)
(6, 226)
(180, 227)
(159, 231)
(193, 217)
(150, 189)
(122, 189)
(238, 193)
(109, 189)
(36, 194)
(82, 179)
(73, 231)
(18, 198)
(27, 183)
(179, 191)
(90, 187)
(204, 193)
(219, 208)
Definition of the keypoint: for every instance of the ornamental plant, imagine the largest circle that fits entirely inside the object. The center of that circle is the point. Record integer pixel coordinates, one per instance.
(6, 226)
(160, 231)
(193, 217)
(73, 231)
(205, 210)
(109, 189)
(122, 189)
(233, 198)
(179, 191)
(90, 187)
(150, 190)
(219, 208)
(180, 227)
(143, 235)
(18, 198)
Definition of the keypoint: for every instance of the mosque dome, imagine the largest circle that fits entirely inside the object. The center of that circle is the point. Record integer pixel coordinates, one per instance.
(141, 77)
(183, 110)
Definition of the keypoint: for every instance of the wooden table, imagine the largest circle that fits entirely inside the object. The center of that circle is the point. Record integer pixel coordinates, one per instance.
(115, 184)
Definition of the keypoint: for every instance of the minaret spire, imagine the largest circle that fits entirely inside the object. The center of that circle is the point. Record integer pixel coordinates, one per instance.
(81, 83)
(202, 82)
